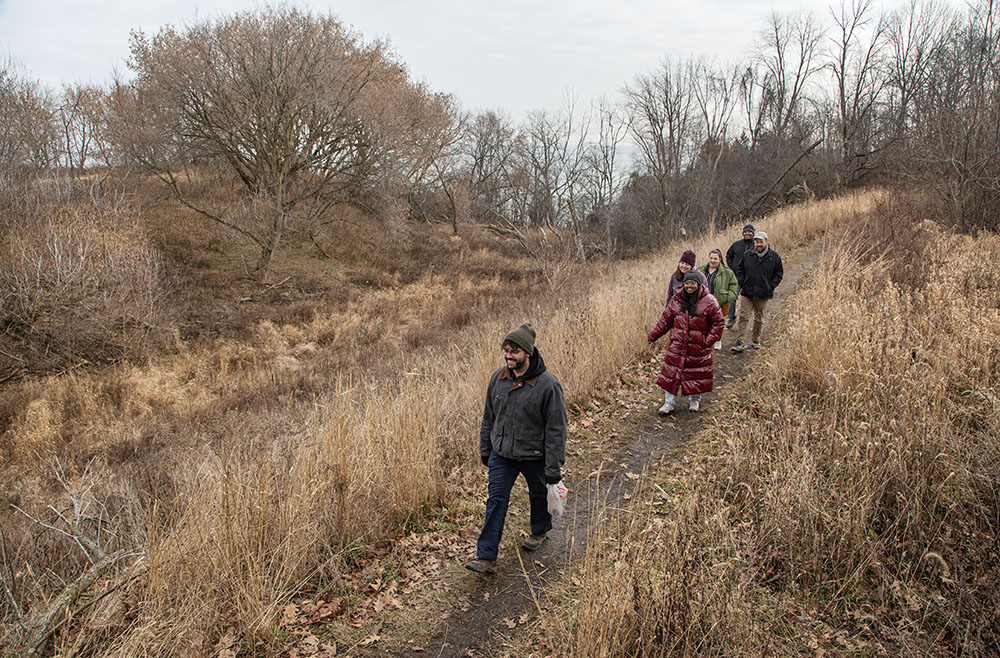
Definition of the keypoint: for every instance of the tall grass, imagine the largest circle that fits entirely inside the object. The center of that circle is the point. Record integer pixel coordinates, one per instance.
(849, 500)
(270, 501)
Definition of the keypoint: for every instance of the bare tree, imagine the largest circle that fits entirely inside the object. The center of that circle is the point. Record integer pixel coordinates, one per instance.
(490, 147)
(661, 107)
(788, 52)
(858, 68)
(291, 107)
(955, 139)
(603, 176)
(915, 33)
(78, 114)
(715, 95)
(27, 137)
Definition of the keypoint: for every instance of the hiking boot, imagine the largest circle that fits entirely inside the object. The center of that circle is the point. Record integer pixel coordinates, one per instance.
(718, 344)
(756, 344)
(666, 409)
(730, 322)
(480, 565)
(738, 347)
(533, 542)
(694, 405)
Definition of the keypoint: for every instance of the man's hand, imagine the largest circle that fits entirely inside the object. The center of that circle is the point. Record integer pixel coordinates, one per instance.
(485, 460)
(553, 479)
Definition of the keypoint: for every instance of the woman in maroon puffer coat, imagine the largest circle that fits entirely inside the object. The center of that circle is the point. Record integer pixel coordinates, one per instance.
(695, 322)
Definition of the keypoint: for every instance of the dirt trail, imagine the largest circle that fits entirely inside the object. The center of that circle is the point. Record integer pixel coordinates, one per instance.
(478, 630)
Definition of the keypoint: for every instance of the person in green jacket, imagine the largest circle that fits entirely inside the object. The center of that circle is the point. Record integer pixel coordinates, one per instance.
(721, 283)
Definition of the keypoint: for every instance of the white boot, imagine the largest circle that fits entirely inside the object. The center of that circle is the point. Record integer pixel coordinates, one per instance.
(694, 405)
(668, 403)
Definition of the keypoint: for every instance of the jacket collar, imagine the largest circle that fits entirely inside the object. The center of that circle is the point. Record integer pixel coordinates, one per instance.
(506, 374)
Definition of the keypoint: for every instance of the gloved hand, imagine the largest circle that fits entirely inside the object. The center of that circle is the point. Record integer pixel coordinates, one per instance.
(485, 459)
(553, 479)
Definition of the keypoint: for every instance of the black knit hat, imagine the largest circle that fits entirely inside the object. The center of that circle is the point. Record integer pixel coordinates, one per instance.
(523, 337)
(692, 275)
(749, 227)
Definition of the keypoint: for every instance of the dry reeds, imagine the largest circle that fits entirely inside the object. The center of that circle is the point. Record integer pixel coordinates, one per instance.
(252, 500)
(849, 498)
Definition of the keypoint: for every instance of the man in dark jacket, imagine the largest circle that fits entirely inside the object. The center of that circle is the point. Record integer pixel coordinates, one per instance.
(523, 432)
(758, 274)
(733, 258)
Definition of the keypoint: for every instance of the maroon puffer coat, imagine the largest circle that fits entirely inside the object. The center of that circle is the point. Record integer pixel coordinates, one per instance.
(688, 363)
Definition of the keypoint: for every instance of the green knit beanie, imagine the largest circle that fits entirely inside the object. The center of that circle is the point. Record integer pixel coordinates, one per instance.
(523, 337)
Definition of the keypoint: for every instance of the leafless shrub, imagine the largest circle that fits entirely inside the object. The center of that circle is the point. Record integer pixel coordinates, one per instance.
(27, 140)
(77, 284)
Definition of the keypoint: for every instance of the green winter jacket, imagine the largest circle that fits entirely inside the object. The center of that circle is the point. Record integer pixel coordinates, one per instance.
(725, 284)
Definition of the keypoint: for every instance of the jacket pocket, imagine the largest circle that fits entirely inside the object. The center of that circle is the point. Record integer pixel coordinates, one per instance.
(529, 443)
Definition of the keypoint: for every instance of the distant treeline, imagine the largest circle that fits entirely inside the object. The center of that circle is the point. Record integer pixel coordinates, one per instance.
(265, 120)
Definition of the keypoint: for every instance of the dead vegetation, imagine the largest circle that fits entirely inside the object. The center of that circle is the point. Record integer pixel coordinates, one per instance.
(244, 469)
(845, 500)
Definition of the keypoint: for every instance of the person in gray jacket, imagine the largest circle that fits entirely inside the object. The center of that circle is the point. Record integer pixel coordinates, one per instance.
(523, 432)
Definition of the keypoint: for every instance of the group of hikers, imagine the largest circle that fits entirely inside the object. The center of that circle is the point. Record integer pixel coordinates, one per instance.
(523, 430)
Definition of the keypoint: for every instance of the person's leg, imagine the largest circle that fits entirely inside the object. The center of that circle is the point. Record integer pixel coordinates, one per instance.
(743, 316)
(694, 402)
(758, 317)
(503, 472)
(534, 473)
(732, 310)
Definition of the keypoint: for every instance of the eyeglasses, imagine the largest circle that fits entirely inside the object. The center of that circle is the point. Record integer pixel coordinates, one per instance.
(512, 351)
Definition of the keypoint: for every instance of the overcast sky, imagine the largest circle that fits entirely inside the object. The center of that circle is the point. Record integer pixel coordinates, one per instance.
(513, 55)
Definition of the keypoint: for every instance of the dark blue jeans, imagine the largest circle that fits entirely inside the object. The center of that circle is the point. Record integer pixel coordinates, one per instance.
(732, 306)
(503, 473)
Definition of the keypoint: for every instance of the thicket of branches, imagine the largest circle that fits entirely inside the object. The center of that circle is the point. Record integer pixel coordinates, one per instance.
(266, 120)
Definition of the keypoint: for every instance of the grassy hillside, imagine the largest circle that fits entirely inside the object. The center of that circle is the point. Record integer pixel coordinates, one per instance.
(242, 466)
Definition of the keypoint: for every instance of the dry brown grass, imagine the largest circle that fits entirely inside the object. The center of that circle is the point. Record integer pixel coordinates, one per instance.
(847, 499)
(246, 470)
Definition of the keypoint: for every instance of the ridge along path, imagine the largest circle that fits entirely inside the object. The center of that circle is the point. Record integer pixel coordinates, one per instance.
(511, 593)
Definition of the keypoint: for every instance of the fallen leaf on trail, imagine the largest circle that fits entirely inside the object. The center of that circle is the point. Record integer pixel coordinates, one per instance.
(632, 476)
(370, 640)
(508, 622)
(331, 608)
(486, 596)
(290, 614)
(524, 618)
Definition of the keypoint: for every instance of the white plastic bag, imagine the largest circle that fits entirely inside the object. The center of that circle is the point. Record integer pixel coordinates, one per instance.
(557, 498)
